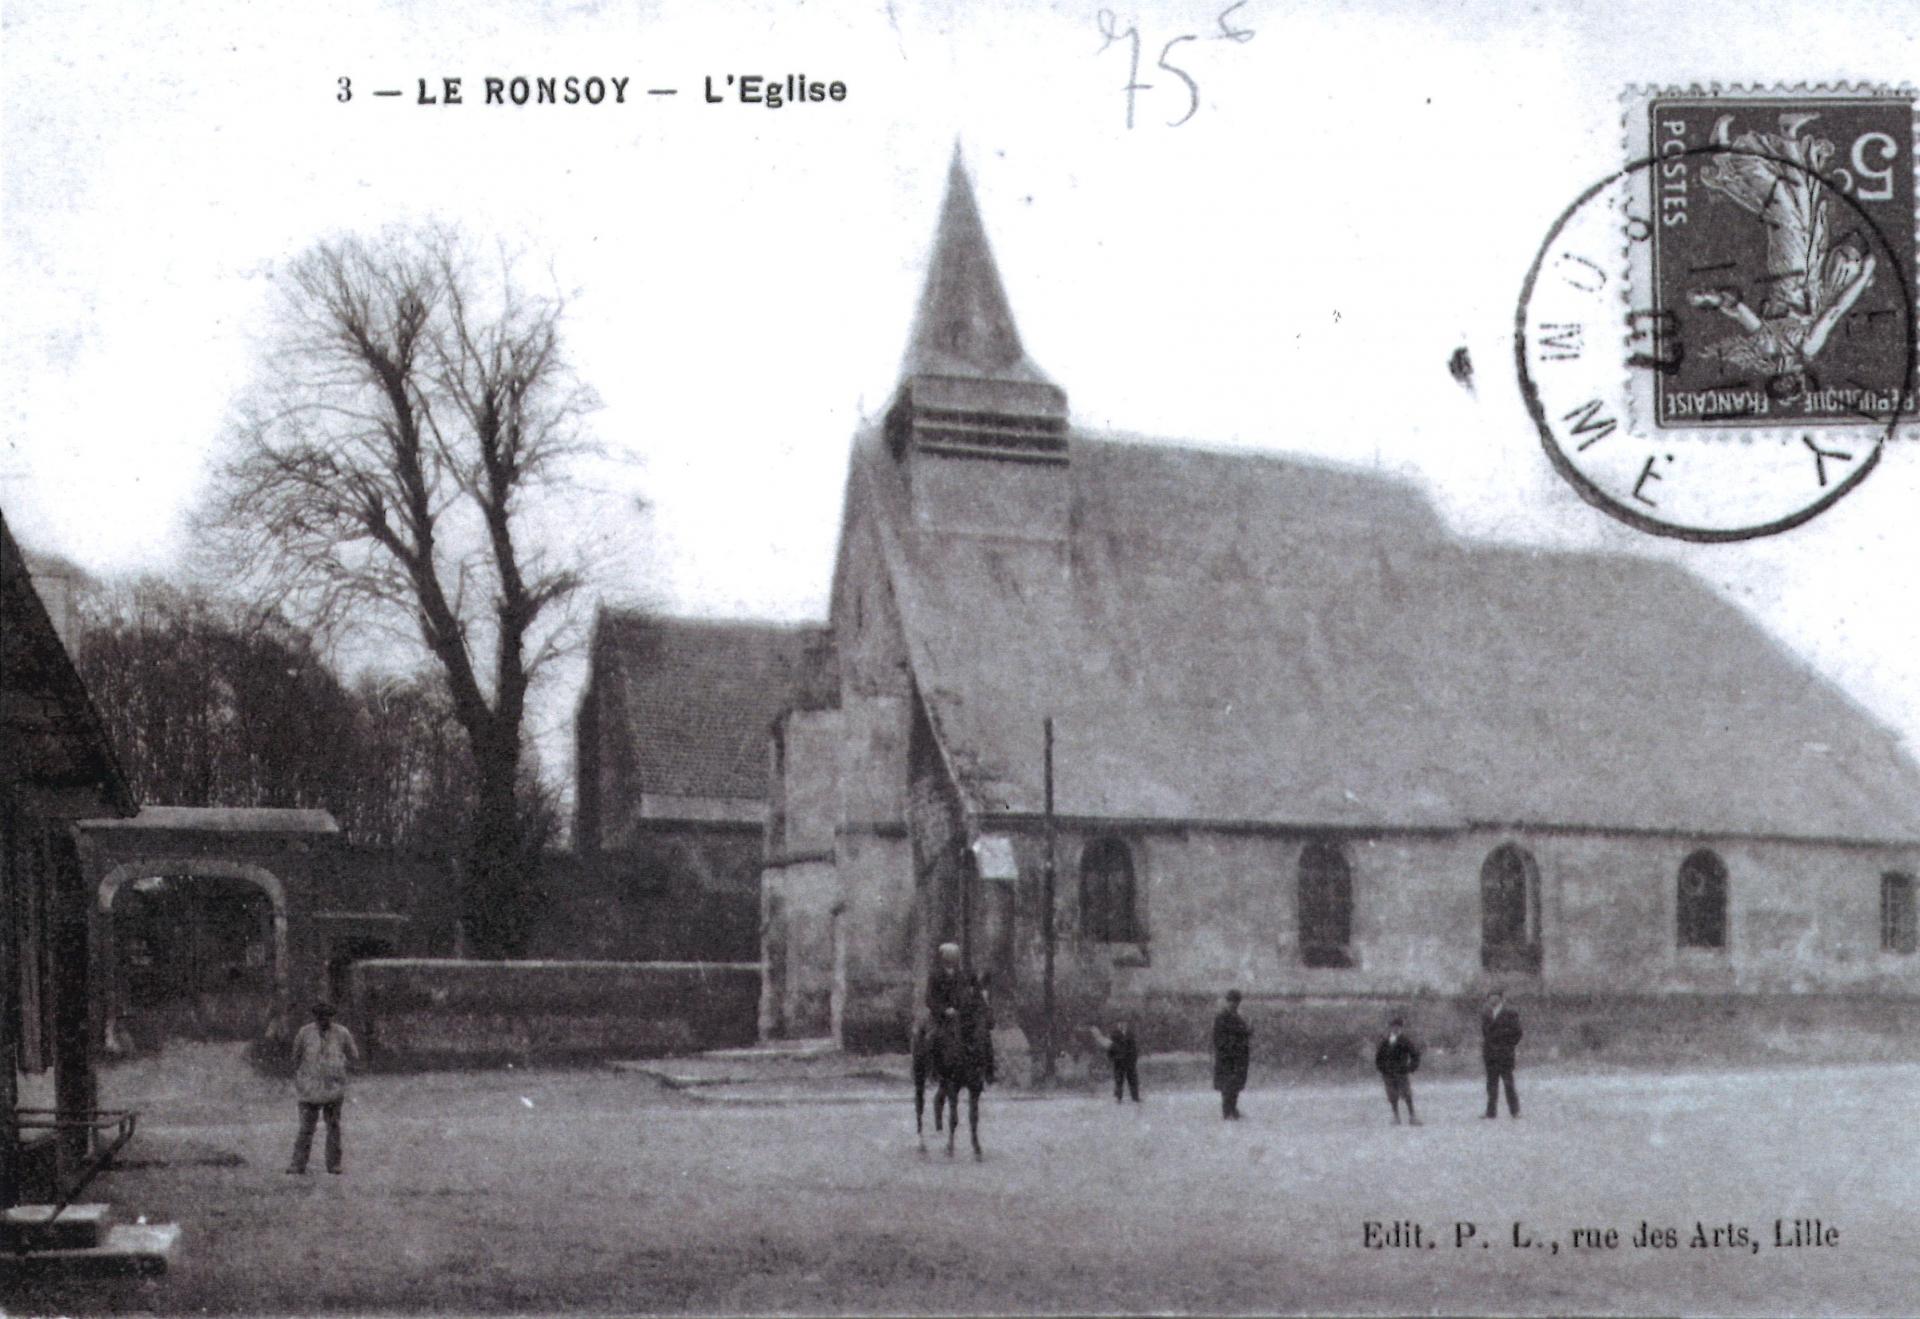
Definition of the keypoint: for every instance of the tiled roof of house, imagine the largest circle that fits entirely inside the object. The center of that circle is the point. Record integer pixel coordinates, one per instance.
(52, 732)
(686, 705)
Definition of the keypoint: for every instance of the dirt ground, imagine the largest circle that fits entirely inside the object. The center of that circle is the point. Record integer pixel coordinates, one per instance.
(598, 1191)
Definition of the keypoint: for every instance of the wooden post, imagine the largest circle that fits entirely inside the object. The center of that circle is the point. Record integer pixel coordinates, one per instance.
(13, 880)
(1046, 922)
(73, 1080)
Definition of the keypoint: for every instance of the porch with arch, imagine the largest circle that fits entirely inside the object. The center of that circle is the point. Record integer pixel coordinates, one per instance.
(224, 918)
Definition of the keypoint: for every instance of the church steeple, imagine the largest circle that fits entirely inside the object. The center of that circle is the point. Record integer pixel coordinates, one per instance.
(967, 387)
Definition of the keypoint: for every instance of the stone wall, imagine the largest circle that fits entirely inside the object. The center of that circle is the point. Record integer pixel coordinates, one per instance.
(420, 1013)
(1220, 909)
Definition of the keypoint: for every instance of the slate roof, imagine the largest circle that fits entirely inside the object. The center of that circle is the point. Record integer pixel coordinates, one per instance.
(1235, 637)
(686, 705)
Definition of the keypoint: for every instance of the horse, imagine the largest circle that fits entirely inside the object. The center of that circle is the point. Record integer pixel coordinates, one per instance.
(923, 1034)
(955, 1052)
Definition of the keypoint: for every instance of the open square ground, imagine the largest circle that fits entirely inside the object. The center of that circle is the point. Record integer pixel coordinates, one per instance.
(599, 1191)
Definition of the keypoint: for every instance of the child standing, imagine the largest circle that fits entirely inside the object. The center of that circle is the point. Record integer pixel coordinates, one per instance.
(1398, 1058)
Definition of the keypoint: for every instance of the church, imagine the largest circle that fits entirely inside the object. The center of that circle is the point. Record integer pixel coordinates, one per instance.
(1271, 726)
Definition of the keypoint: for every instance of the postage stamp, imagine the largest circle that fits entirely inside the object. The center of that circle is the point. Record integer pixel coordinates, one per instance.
(1781, 256)
(1717, 339)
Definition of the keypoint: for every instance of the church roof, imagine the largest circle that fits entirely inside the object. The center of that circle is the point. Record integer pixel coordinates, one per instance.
(1234, 637)
(686, 704)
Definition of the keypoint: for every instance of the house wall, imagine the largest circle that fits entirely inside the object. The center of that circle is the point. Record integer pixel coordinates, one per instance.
(678, 890)
(801, 898)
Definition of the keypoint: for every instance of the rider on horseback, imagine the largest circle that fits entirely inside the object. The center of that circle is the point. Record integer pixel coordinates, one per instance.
(951, 990)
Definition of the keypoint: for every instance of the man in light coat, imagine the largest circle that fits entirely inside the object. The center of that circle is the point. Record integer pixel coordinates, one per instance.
(322, 1052)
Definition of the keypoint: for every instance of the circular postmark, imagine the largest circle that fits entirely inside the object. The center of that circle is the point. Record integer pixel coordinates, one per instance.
(1716, 342)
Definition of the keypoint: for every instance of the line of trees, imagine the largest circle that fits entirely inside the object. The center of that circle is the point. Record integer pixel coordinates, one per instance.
(212, 702)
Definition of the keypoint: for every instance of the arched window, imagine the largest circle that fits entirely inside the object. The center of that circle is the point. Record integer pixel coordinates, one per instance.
(1702, 903)
(1107, 911)
(1325, 888)
(1897, 925)
(1510, 910)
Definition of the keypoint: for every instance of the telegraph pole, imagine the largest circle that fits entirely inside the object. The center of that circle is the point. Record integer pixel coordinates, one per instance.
(1046, 919)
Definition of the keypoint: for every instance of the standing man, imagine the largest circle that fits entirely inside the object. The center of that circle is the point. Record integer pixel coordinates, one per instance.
(1398, 1058)
(1499, 1039)
(1232, 1050)
(321, 1053)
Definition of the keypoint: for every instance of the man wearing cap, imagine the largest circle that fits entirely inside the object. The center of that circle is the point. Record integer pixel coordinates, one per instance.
(1398, 1058)
(321, 1054)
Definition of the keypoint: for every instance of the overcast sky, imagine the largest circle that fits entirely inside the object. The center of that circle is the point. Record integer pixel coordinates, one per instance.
(1358, 194)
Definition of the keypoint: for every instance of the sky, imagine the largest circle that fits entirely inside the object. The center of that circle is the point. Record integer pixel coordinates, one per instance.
(1357, 192)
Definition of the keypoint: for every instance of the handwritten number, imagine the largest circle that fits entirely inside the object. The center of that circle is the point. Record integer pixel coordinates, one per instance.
(1109, 28)
(1111, 31)
(1193, 88)
(346, 90)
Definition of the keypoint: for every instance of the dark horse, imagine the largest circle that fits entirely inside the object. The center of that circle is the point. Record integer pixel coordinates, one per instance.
(954, 1054)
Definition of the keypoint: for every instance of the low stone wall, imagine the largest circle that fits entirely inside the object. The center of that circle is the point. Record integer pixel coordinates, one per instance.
(1339, 1034)
(443, 1013)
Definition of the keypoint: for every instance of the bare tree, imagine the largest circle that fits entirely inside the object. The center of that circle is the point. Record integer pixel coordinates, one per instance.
(389, 472)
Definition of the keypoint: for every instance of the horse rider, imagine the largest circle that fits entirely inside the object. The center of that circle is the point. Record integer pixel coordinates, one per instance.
(951, 989)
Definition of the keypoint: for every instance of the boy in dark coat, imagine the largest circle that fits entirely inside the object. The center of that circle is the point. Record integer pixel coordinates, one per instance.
(1123, 1051)
(1232, 1050)
(1499, 1040)
(1398, 1058)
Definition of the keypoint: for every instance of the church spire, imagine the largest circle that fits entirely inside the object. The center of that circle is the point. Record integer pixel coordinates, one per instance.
(966, 384)
(964, 326)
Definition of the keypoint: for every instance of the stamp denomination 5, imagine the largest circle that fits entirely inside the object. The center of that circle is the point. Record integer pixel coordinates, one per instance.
(1749, 279)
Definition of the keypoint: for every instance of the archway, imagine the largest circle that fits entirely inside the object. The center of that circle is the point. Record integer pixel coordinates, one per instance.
(192, 946)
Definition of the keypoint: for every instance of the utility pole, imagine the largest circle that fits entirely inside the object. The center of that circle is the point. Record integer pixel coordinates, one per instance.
(1046, 920)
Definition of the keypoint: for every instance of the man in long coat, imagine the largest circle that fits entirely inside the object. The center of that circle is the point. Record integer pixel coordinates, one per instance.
(1499, 1040)
(1232, 1051)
